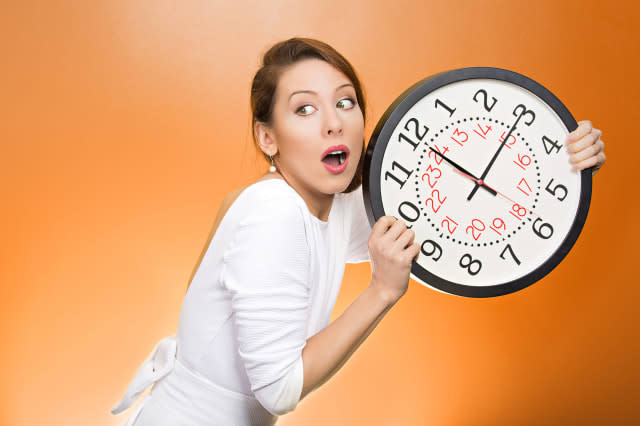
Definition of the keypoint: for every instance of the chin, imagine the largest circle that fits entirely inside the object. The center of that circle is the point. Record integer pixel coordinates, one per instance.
(343, 185)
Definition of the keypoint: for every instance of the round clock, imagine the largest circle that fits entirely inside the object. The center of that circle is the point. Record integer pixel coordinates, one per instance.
(473, 160)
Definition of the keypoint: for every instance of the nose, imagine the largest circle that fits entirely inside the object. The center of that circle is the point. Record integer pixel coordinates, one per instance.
(333, 123)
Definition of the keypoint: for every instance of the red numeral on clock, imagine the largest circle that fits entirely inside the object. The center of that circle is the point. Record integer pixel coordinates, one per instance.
(476, 226)
(435, 178)
(435, 194)
(523, 161)
(522, 187)
(518, 211)
(450, 221)
(498, 224)
(458, 133)
(483, 132)
(510, 142)
(436, 157)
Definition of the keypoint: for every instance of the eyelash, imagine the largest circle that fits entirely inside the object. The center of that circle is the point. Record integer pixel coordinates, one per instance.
(299, 110)
(354, 103)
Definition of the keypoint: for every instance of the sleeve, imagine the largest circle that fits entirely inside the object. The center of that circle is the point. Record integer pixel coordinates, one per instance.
(266, 268)
(359, 228)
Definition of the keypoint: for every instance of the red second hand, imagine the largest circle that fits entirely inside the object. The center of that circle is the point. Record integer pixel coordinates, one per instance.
(481, 183)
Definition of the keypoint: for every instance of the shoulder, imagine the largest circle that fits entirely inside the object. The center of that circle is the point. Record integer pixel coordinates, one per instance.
(270, 196)
(257, 199)
(267, 220)
(269, 203)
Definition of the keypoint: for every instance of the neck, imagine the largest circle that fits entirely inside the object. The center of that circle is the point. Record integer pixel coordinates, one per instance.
(318, 204)
(320, 207)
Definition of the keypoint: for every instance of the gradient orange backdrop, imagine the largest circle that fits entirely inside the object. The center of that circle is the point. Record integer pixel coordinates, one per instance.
(125, 123)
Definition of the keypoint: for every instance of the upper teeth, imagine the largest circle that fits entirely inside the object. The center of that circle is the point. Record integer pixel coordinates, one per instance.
(340, 159)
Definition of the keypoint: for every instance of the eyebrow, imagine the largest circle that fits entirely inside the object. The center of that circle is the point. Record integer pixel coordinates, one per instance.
(315, 93)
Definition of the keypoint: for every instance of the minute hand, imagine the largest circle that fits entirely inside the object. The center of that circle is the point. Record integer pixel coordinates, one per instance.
(465, 172)
(486, 171)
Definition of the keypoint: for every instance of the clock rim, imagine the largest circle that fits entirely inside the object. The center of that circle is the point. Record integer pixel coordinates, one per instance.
(389, 121)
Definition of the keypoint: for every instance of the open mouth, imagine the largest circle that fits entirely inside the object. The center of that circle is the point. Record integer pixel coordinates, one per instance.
(335, 158)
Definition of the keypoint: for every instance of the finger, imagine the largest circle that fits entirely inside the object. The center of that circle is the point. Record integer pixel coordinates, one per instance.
(381, 226)
(405, 239)
(395, 231)
(414, 251)
(589, 162)
(590, 151)
(601, 159)
(584, 127)
(411, 253)
(585, 142)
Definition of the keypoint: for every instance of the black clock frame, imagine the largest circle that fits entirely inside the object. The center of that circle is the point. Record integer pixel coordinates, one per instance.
(390, 120)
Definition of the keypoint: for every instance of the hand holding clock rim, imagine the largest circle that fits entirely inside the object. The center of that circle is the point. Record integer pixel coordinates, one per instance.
(461, 170)
(486, 171)
(392, 250)
(585, 147)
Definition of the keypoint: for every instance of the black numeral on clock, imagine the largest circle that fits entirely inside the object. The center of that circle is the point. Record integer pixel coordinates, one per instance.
(556, 190)
(443, 105)
(409, 211)
(432, 249)
(416, 130)
(392, 176)
(521, 109)
(550, 145)
(472, 266)
(544, 231)
(484, 95)
(510, 250)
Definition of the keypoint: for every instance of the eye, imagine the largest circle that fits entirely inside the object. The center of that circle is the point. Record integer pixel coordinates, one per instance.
(305, 110)
(346, 103)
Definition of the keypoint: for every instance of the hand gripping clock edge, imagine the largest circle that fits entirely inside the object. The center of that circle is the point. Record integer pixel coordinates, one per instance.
(486, 171)
(465, 172)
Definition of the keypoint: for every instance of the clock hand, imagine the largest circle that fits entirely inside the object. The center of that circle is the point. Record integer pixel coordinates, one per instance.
(477, 181)
(492, 190)
(484, 174)
(503, 195)
(462, 171)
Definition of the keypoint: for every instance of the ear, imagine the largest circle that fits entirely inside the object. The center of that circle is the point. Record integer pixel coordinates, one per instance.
(265, 138)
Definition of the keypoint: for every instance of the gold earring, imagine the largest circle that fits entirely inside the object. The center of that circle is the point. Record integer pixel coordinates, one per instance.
(272, 169)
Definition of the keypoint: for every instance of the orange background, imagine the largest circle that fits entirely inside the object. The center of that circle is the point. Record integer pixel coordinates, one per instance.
(125, 123)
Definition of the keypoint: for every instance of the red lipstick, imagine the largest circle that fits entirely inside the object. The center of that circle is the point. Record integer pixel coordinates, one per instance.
(336, 158)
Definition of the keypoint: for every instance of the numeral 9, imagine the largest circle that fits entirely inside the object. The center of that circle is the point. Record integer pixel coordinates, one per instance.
(433, 247)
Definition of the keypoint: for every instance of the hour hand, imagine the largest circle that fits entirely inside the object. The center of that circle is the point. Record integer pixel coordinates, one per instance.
(461, 170)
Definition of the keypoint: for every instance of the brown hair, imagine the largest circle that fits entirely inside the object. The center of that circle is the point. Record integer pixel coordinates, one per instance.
(286, 53)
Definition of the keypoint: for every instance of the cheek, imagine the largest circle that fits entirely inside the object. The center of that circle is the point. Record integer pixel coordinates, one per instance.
(356, 127)
(295, 141)
(356, 121)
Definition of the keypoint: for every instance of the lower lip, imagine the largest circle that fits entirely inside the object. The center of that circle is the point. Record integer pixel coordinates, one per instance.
(337, 169)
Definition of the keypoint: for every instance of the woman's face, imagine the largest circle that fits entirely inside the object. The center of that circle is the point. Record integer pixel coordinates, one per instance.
(315, 113)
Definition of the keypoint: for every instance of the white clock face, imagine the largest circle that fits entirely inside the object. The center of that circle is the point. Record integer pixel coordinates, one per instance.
(494, 206)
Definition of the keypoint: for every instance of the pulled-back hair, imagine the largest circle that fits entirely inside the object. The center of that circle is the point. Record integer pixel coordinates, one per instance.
(276, 60)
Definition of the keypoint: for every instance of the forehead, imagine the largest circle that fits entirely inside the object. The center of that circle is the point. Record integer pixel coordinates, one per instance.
(311, 74)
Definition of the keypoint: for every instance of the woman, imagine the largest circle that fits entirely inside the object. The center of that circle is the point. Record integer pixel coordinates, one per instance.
(254, 336)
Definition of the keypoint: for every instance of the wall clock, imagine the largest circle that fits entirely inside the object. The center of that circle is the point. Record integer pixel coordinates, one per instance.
(473, 160)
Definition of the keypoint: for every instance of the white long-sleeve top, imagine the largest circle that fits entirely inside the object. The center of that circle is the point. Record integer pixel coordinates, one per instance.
(268, 281)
